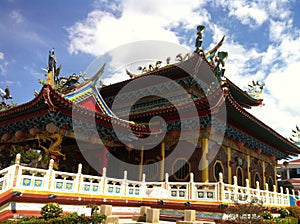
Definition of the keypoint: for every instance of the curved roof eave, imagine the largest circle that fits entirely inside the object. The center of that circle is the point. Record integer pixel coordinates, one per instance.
(257, 128)
(241, 96)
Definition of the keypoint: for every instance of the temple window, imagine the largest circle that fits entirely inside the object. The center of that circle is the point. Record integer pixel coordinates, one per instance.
(294, 173)
(240, 176)
(181, 169)
(218, 168)
(256, 179)
(270, 183)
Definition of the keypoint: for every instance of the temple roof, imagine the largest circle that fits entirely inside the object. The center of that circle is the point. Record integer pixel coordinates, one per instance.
(237, 116)
(90, 103)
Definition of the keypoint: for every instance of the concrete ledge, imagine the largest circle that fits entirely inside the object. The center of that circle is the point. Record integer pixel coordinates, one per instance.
(112, 219)
(189, 222)
(189, 218)
(139, 218)
(152, 215)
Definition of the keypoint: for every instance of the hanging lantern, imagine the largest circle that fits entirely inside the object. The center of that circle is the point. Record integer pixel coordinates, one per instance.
(51, 128)
(32, 131)
(5, 137)
(20, 134)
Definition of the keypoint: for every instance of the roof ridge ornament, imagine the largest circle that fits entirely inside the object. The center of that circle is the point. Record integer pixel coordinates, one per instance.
(255, 89)
(5, 95)
(296, 136)
(199, 39)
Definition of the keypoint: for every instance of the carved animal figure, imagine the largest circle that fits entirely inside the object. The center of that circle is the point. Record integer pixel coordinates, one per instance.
(296, 136)
(255, 90)
(181, 58)
(5, 94)
(51, 143)
(150, 67)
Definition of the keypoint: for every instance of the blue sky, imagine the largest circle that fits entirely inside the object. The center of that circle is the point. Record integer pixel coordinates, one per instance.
(262, 39)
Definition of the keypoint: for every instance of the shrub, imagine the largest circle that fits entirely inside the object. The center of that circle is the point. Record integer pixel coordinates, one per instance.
(267, 215)
(284, 212)
(295, 212)
(51, 210)
(94, 208)
(98, 218)
(245, 213)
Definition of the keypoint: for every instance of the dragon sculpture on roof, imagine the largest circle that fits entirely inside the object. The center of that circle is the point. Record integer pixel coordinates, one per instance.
(213, 57)
(296, 136)
(5, 95)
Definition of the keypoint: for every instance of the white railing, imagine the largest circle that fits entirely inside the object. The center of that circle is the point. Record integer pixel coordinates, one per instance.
(18, 177)
(6, 178)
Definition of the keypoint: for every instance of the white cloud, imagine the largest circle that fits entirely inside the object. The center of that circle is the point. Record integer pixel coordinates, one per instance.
(279, 68)
(278, 8)
(1, 55)
(256, 13)
(148, 20)
(249, 13)
(16, 16)
(240, 63)
(276, 117)
(278, 28)
(3, 64)
(31, 71)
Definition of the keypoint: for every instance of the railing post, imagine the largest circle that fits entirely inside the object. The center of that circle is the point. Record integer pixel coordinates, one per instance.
(287, 197)
(293, 193)
(267, 201)
(78, 180)
(166, 182)
(281, 196)
(104, 181)
(124, 183)
(49, 179)
(191, 187)
(221, 188)
(143, 187)
(258, 191)
(275, 195)
(235, 196)
(248, 196)
(15, 178)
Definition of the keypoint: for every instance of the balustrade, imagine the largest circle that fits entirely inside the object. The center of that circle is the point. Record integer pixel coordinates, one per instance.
(17, 177)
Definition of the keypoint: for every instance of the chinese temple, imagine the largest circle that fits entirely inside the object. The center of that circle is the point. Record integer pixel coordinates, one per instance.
(93, 143)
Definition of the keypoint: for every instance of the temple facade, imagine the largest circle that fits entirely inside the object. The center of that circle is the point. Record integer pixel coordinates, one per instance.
(226, 138)
(204, 128)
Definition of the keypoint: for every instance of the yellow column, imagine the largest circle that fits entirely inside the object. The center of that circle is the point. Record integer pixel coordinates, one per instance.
(204, 161)
(162, 162)
(275, 176)
(141, 164)
(248, 168)
(229, 165)
(264, 171)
